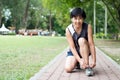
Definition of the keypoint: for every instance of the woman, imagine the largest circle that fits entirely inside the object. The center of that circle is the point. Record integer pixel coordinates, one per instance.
(80, 39)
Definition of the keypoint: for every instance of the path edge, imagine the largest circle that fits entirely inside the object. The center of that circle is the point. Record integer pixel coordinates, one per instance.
(109, 58)
(43, 69)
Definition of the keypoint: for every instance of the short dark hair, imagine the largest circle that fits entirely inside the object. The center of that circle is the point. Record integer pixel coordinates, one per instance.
(78, 12)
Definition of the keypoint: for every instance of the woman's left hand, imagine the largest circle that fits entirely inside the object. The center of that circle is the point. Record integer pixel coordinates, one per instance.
(92, 65)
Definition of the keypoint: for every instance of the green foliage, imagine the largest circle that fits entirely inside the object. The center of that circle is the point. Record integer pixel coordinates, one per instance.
(114, 10)
(3, 20)
(41, 12)
(100, 35)
(12, 33)
(8, 23)
(58, 29)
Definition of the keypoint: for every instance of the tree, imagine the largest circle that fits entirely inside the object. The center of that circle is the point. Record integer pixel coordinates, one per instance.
(16, 9)
(49, 4)
(48, 14)
(114, 8)
(0, 12)
(61, 9)
(26, 14)
(20, 12)
(2, 6)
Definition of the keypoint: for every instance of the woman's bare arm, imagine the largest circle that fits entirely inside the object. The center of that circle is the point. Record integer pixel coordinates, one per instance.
(91, 45)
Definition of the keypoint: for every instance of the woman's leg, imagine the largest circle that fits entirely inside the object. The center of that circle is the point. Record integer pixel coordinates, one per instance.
(70, 63)
(84, 49)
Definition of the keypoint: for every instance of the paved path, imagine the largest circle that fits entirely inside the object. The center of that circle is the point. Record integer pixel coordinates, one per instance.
(106, 69)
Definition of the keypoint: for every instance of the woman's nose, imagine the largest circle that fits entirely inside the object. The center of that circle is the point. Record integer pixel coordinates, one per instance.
(78, 20)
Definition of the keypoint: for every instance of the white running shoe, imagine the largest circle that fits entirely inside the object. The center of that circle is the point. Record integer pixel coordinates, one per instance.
(89, 71)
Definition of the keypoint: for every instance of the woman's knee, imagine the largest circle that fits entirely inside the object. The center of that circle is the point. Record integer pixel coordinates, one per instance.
(70, 64)
(68, 69)
(82, 41)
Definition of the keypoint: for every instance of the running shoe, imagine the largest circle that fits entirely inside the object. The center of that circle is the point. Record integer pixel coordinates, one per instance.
(89, 71)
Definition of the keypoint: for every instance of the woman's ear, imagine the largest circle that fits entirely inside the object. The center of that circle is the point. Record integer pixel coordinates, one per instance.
(71, 19)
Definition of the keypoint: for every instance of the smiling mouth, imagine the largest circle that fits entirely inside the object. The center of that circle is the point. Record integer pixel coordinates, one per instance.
(78, 24)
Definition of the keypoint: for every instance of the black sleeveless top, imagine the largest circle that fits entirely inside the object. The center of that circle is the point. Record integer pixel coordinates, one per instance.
(75, 36)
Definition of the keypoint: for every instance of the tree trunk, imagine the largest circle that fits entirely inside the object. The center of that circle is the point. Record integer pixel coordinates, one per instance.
(26, 14)
(37, 22)
(0, 19)
(50, 22)
(0, 14)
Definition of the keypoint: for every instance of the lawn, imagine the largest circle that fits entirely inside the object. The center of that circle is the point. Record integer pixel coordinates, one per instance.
(22, 56)
(110, 47)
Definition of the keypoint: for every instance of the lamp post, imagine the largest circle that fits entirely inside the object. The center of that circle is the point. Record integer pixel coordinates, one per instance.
(105, 21)
(95, 18)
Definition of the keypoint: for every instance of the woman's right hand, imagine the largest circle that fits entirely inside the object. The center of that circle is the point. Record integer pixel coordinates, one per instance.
(82, 64)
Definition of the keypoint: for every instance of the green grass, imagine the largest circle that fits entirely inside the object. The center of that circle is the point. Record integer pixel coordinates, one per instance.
(22, 56)
(110, 47)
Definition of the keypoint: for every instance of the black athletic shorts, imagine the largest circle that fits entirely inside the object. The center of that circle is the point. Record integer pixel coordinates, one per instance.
(69, 53)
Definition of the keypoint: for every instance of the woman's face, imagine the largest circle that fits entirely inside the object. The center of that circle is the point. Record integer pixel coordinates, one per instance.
(77, 21)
